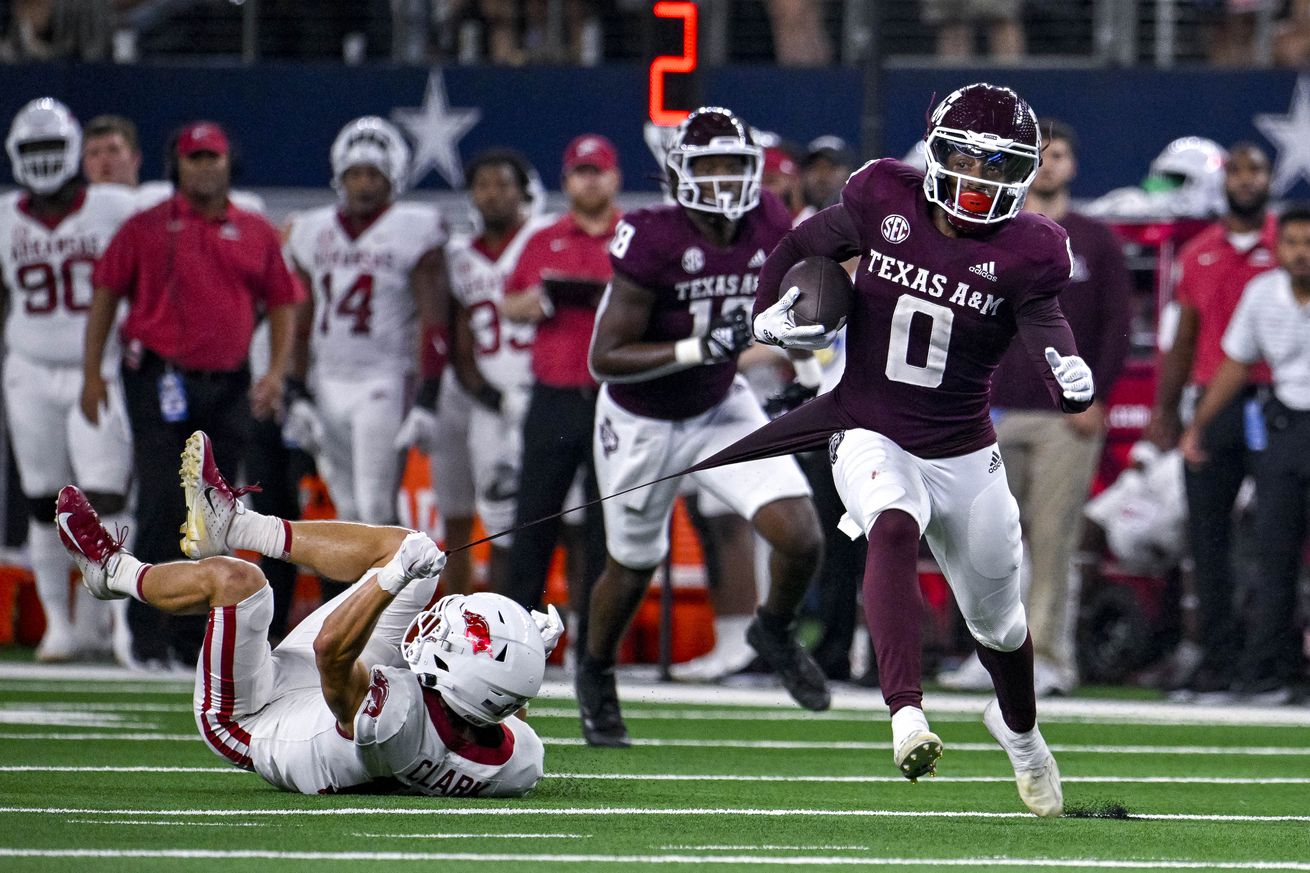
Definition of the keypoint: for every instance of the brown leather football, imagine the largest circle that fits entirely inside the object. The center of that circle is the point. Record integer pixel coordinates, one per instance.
(826, 292)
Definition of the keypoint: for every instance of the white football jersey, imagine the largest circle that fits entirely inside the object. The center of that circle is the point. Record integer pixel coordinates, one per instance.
(503, 348)
(364, 316)
(406, 733)
(48, 270)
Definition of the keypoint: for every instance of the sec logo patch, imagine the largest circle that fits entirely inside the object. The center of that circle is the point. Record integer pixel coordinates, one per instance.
(895, 229)
(693, 260)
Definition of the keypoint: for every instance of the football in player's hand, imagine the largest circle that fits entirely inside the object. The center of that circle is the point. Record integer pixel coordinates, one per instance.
(826, 292)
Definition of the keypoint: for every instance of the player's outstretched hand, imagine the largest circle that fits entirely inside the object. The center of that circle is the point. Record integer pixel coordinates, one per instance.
(550, 625)
(419, 429)
(777, 327)
(1073, 375)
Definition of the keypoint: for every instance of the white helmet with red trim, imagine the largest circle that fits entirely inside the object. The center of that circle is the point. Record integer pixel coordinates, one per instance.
(374, 142)
(44, 145)
(483, 652)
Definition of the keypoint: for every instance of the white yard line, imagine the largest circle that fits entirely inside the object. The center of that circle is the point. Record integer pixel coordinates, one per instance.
(475, 836)
(175, 824)
(32, 768)
(770, 860)
(481, 810)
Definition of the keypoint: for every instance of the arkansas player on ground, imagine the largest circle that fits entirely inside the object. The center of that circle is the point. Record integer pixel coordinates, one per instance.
(666, 342)
(376, 269)
(949, 270)
(52, 231)
(376, 692)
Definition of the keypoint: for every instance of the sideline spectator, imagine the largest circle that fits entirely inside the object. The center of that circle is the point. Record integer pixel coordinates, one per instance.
(827, 165)
(111, 151)
(799, 37)
(1271, 325)
(1212, 270)
(193, 269)
(957, 22)
(1050, 457)
(557, 286)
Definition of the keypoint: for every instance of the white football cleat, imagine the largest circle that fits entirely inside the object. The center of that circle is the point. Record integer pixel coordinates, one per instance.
(1035, 773)
(917, 755)
(96, 553)
(210, 502)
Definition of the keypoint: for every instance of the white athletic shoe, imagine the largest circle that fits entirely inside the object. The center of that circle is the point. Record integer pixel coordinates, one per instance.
(714, 665)
(211, 503)
(970, 675)
(57, 646)
(1035, 772)
(94, 551)
(917, 755)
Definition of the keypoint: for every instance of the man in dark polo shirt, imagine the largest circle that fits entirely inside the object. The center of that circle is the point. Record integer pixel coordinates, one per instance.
(1050, 457)
(557, 285)
(196, 272)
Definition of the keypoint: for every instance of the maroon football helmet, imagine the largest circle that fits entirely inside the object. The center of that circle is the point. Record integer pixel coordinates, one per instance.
(712, 130)
(982, 148)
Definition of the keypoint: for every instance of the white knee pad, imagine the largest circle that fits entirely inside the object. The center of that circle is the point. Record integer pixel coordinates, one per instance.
(1004, 632)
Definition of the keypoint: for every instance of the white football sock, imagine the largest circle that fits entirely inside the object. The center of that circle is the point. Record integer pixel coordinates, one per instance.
(51, 567)
(266, 534)
(907, 721)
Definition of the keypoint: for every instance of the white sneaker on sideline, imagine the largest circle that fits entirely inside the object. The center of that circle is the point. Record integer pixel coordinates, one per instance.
(971, 675)
(1035, 773)
(57, 646)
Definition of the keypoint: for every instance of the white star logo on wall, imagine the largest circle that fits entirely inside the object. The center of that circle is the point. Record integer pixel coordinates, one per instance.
(1290, 135)
(436, 130)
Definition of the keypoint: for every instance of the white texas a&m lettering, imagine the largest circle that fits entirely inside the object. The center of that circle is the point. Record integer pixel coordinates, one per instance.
(717, 286)
(930, 283)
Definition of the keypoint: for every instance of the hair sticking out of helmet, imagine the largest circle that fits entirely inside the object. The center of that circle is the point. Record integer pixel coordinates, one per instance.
(44, 145)
(374, 142)
(482, 652)
(982, 150)
(711, 132)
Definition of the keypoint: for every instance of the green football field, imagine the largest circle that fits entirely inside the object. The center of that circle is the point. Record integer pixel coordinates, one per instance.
(100, 770)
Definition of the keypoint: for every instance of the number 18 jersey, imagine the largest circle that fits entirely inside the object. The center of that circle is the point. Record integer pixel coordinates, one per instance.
(47, 269)
(365, 321)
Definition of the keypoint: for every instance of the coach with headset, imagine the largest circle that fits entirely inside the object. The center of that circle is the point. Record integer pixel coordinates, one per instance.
(196, 272)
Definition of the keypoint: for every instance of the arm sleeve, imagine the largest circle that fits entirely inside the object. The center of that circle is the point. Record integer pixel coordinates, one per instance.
(1240, 341)
(831, 233)
(1115, 284)
(116, 270)
(1042, 324)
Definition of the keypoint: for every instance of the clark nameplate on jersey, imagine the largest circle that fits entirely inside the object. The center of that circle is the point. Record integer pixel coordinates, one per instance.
(694, 281)
(952, 305)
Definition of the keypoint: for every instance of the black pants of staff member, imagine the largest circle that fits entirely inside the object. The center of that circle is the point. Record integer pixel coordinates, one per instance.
(1211, 491)
(1282, 486)
(557, 438)
(218, 404)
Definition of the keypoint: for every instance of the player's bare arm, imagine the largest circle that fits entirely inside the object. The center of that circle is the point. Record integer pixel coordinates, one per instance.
(1228, 382)
(266, 394)
(1165, 425)
(342, 675)
(299, 366)
(463, 358)
(430, 284)
(99, 322)
(525, 307)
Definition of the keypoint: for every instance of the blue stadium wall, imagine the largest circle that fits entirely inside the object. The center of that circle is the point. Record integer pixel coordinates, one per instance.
(284, 116)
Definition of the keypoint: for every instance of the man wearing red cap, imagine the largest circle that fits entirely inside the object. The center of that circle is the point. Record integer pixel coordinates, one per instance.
(557, 285)
(196, 271)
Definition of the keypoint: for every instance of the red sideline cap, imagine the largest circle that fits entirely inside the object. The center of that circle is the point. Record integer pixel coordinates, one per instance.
(202, 136)
(590, 150)
(777, 160)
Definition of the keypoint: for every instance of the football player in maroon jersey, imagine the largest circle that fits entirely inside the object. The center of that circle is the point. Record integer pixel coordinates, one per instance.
(949, 271)
(667, 337)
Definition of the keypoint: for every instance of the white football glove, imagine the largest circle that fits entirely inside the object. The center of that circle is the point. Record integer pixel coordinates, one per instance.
(1073, 375)
(550, 625)
(418, 429)
(777, 327)
(303, 427)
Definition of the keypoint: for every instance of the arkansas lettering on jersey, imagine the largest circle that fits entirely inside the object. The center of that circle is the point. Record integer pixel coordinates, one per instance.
(47, 270)
(932, 314)
(693, 281)
(364, 315)
(503, 348)
(403, 731)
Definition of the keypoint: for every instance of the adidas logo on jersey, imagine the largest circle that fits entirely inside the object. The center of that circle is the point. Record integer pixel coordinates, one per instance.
(757, 261)
(995, 463)
(987, 270)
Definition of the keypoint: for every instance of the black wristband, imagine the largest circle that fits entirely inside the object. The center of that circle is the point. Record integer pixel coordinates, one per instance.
(428, 392)
(489, 397)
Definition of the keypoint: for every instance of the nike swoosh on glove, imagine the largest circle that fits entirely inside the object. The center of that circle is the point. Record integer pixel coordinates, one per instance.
(550, 625)
(777, 327)
(1073, 376)
(418, 429)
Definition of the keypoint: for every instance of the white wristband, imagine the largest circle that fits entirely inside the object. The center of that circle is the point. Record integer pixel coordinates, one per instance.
(808, 372)
(390, 579)
(690, 351)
